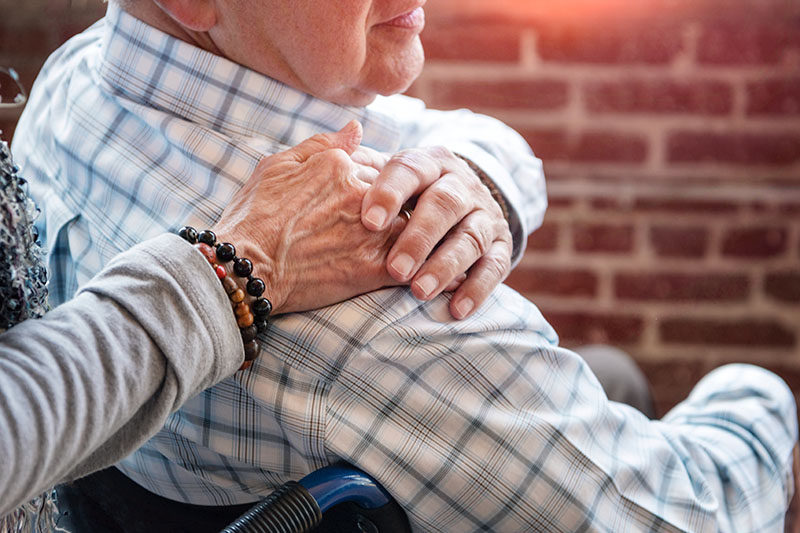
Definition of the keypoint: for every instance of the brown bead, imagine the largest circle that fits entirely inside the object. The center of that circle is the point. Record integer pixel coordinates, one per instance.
(246, 365)
(237, 296)
(245, 320)
(251, 351)
(241, 309)
(249, 333)
(229, 284)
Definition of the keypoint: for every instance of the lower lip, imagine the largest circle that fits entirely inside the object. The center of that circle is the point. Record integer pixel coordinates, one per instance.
(411, 20)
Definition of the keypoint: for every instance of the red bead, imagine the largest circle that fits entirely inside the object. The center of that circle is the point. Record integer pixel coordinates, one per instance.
(246, 365)
(207, 252)
(220, 270)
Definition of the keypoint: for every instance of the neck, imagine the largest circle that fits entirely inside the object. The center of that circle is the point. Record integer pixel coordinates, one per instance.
(151, 14)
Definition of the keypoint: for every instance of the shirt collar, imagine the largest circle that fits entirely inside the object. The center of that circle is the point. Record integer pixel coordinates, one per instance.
(149, 67)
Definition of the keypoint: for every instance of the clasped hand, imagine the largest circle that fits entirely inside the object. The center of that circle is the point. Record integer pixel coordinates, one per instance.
(321, 224)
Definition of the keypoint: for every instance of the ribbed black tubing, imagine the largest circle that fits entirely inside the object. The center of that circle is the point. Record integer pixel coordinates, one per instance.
(290, 509)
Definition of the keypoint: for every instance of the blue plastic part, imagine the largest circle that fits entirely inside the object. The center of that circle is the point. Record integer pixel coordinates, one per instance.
(336, 484)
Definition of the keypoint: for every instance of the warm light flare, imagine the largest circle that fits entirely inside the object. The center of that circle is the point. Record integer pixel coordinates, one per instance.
(579, 10)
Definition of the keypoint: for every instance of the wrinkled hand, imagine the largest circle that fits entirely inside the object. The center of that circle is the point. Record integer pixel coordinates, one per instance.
(298, 220)
(456, 226)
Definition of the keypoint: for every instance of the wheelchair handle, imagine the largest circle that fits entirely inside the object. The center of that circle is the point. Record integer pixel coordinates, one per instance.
(297, 507)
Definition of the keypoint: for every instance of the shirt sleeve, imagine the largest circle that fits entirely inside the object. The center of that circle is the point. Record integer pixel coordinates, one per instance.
(497, 149)
(87, 384)
(472, 427)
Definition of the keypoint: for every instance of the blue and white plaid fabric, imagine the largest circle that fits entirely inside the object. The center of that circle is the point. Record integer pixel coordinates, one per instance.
(484, 424)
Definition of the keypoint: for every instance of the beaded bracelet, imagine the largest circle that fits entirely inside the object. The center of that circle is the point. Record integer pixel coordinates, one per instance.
(252, 318)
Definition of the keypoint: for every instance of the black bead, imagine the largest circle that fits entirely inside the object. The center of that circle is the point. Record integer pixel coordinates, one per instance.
(207, 237)
(261, 324)
(189, 234)
(242, 267)
(225, 252)
(249, 333)
(255, 287)
(261, 307)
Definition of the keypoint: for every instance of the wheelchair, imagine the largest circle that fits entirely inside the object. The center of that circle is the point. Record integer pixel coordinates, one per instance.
(335, 499)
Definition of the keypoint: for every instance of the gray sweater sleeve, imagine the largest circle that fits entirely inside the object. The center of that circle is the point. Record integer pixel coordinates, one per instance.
(87, 384)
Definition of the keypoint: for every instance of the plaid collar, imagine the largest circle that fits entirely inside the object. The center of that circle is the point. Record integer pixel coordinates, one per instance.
(149, 67)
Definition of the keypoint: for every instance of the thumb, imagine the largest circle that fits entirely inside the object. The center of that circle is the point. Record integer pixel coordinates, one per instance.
(348, 138)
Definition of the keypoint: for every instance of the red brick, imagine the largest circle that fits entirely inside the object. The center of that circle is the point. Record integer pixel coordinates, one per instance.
(593, 146)
(593, 43)
(595, 327)
(774, 97)
(744, 42)
(602, 238)
(668, 241)
(750, 332)
(759, 242)
(545, 238)
(738, 148)
(559, 202)
(659, 96)
(681, 287)
(784, 286)
(560, 282)
(472, 42)
(528, 94)
(686, 205)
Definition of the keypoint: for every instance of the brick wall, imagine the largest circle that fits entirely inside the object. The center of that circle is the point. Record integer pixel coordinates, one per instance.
(670, 131)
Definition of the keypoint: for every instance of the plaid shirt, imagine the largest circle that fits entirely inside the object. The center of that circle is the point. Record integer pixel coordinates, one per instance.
(482, 424)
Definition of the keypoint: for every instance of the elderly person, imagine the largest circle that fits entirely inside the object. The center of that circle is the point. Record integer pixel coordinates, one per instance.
(156, 115)
(93, 379)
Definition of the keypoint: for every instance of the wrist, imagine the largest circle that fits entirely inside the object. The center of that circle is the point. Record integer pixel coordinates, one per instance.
(244, 289)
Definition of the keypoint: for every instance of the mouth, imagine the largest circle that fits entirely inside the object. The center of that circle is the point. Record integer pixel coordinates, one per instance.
(411, 20)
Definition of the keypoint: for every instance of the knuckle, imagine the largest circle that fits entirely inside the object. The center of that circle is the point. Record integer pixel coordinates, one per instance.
(406, 160)
(440, 153)
(338, 159)
(476, 241)
(448, 200)
(496, 267)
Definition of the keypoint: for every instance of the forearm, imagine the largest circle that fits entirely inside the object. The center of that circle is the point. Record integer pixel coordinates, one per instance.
(739, 427)
(92, 380)
(503, 418)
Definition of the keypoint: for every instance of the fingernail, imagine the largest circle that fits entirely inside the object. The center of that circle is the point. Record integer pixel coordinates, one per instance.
(427, 284)
(464, 307)
(403, 264)
(376, 215)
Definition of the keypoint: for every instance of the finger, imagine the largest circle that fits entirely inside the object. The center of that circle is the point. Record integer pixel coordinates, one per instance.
(364, 155)
(348, 138)
(456, 283)
(439, 209)
(406, 174)
(365, 173)
(460, 249)
(483, 277)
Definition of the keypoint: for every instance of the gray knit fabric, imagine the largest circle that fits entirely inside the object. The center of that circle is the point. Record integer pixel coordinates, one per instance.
(23, 295)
